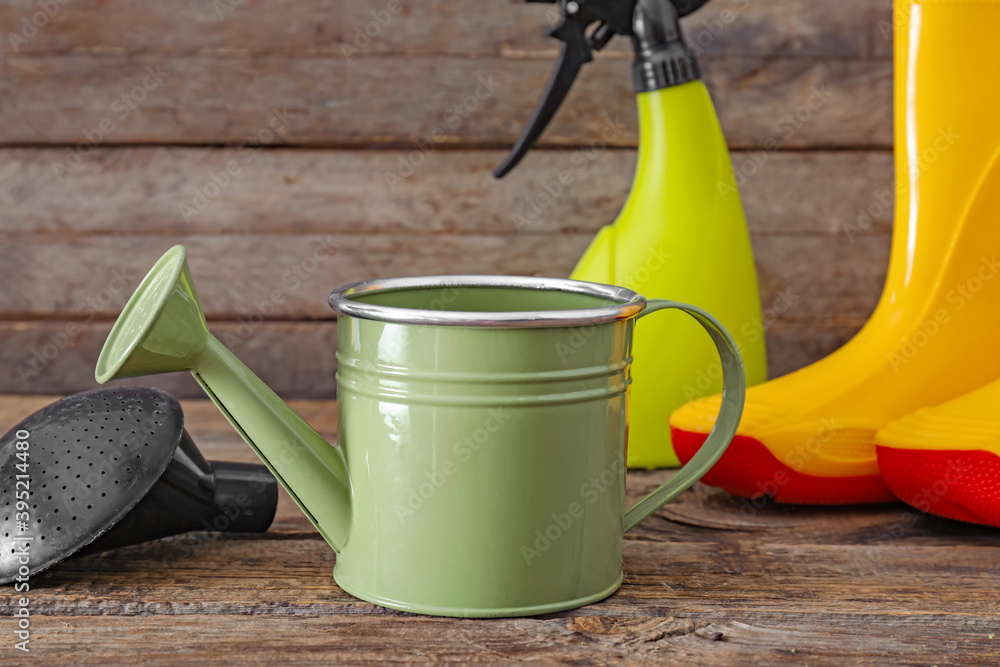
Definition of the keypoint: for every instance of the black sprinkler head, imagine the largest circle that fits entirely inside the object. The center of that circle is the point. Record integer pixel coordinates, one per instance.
(113, 467)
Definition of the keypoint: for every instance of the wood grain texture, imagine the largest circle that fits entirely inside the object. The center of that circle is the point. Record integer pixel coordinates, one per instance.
(283, 276)
(771, 102)
(709, 579)
(237, 573)
(681, 638)
(847, 29)
(123, 205)
(141, 191)
(294, 358)
(236, 282)
(200, 414)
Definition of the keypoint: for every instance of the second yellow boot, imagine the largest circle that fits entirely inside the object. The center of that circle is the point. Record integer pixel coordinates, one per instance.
(945, 460)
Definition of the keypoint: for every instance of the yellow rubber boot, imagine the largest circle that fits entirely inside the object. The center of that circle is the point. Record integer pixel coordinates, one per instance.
(809, 437)
(946, 460)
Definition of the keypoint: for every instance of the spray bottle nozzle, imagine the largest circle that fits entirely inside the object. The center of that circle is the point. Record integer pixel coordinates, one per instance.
(652, 24)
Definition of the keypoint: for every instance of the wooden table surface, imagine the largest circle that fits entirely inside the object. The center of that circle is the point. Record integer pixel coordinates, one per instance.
(708, 580)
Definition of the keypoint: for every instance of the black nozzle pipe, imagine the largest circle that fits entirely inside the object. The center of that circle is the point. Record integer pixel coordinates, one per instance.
(246, 497)
(195, 495)
(662, 59)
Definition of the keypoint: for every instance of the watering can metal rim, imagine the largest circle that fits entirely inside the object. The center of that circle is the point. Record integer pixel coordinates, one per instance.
(624, 303)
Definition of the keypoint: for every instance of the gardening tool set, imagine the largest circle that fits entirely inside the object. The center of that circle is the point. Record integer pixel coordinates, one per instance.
(486, 423)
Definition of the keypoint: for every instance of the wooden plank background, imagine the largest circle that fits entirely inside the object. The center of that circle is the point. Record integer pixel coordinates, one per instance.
(116, 115)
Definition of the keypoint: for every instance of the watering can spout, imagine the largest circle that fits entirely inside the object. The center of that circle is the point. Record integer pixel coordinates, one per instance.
(162, 330)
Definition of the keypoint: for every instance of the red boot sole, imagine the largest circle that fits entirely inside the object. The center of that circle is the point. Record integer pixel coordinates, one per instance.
(955, 484)
(748, 469)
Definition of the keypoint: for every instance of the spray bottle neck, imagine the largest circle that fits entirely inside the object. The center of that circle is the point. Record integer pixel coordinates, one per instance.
(677, 121)
(662, 60)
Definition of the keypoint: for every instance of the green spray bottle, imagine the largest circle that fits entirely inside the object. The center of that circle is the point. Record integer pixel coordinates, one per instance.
(682, 233)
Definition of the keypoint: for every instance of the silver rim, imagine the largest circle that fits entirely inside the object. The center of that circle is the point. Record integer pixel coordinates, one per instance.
(623, 304)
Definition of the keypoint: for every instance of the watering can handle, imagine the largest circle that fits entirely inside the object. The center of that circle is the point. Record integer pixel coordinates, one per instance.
(733, 394)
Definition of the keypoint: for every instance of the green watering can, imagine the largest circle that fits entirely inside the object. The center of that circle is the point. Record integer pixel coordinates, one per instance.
(483, 422)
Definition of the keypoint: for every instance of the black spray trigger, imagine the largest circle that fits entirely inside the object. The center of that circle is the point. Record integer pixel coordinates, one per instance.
(602, 35)
(662, 59)
(576, 52)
